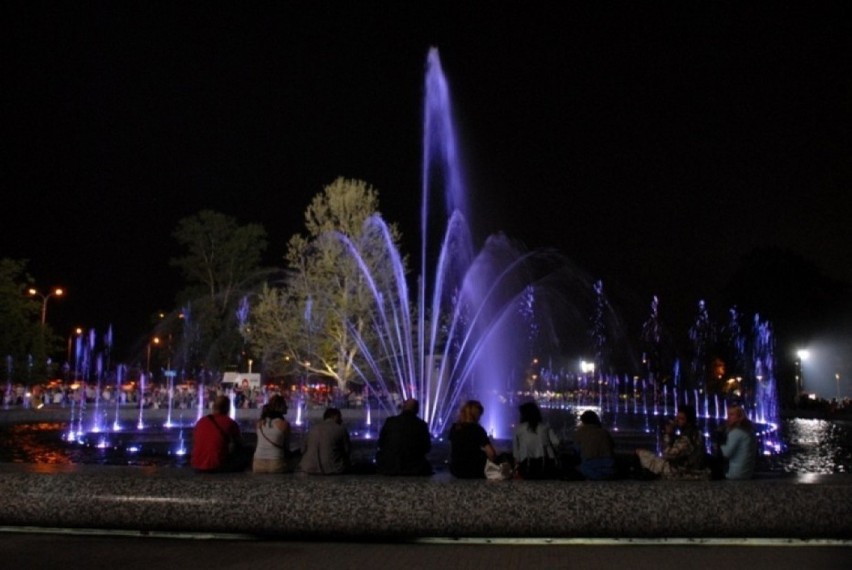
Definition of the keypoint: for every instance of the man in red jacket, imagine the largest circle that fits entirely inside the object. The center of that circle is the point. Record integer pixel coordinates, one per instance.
(217, 441)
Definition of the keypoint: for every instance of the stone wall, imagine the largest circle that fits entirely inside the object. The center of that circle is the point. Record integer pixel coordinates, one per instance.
(370, 506)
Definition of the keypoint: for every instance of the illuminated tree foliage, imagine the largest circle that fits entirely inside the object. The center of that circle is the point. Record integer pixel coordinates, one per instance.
(321, 320)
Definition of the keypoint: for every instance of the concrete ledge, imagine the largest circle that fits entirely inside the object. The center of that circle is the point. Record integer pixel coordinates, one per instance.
(368, 506)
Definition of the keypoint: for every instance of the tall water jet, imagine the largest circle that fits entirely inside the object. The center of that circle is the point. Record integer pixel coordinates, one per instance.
(458, 345)
(8, 398)
(765, 389)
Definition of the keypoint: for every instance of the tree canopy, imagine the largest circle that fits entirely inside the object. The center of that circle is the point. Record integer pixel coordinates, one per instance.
(24, 344)
(320, 321)
(221, 266)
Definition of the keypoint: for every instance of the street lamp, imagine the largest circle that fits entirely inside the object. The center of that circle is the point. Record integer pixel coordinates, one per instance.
(802, 354)
(155, 340)
(75, 333)
(56, 292)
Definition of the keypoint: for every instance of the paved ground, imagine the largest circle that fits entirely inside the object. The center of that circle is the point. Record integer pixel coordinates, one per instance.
(23, 550)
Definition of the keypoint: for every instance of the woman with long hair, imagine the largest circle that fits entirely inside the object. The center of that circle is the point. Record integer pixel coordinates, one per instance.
(273, 438)
(595, 447)
(534, 444)
(684, 454)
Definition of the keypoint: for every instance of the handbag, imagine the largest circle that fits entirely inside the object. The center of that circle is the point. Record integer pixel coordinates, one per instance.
(495, 472)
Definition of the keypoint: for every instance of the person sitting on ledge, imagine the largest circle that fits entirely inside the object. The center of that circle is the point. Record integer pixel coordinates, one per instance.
(469, 443)
(217, 444)
(327, 447)
(596, 448)
(740, 446)
(404, 442)
(683, 450)
(534, 445)
(273, 438)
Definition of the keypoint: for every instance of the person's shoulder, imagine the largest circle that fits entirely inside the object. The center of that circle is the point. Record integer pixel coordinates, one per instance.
(418, 420)
(410, 419)
(281, 423)
(739, 433)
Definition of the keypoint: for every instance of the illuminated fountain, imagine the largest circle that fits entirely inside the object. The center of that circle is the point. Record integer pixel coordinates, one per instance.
(467, 338)
(474, 328)
(478, 313)
(121, 428)
(639, 404)
(7, 397)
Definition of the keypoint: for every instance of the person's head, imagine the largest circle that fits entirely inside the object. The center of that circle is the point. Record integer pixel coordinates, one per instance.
(276, 407)
(737, 418)
(470, 412)
(411, 406)
(590, 418)
(686, 416)
(530, 415)
(222, 405)
(333, 414)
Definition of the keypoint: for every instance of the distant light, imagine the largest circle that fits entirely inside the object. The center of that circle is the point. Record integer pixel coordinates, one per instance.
(803, 354)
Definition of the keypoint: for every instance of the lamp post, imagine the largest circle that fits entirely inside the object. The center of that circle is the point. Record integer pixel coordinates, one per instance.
(56, 292)
(155, 340)
(802, 354)
(75, 333)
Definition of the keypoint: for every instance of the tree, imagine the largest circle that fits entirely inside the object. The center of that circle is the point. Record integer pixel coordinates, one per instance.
(221, 266)
(321, 321)
(24, 343)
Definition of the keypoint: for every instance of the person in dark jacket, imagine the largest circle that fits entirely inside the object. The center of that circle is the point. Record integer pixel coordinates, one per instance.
(404, 442)
(470, 446)
(327, 448)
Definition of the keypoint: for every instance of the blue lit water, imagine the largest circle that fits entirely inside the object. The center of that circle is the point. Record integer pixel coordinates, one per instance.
(816, 446)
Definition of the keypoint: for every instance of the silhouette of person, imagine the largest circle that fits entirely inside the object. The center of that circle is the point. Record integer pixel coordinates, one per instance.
(404, 442)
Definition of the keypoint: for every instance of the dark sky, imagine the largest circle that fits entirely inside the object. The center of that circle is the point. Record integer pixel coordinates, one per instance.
(652, 146)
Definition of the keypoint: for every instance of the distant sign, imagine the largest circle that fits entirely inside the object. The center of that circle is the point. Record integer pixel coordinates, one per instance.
(238, 379)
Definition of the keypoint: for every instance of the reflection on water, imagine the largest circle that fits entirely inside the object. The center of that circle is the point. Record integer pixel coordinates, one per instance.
(42, 443)
(33, 443)
(815, 446)
(812, 446)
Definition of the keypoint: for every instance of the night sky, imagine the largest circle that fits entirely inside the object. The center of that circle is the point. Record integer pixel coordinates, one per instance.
(654, 147)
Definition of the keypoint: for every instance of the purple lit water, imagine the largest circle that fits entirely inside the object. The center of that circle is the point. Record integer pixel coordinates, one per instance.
(463, 341)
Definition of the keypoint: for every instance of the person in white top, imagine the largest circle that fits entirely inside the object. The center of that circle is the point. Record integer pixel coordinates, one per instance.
(534, 445)
(273, 438)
